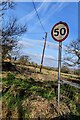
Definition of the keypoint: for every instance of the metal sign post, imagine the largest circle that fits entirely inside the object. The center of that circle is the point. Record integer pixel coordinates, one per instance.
(59, 33)
(59, 70)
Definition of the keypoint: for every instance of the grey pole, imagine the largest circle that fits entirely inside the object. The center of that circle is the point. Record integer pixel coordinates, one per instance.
(59, 71)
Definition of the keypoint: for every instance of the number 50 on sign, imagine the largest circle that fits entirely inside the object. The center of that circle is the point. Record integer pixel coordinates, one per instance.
(60, 31)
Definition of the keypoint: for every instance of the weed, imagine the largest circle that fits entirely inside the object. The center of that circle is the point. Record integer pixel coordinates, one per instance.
(10, 78)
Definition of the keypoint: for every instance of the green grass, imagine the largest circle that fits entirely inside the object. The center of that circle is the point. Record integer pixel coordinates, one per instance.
(21, 89)
(28, 87)
(0, 79)
(40, 88)
(69, 91)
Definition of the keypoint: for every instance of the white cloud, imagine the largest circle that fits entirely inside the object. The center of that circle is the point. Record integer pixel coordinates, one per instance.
(46, 0)
(25, 42)
(31, 15)
(50, 59)
(44, 10)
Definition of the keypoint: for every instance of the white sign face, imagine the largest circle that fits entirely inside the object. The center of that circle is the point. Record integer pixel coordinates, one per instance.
(60, 31)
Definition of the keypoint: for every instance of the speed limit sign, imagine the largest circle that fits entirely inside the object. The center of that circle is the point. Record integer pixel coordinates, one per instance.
(60, 31)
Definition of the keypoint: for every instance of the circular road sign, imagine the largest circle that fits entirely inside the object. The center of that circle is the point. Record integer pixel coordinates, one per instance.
(60, 31)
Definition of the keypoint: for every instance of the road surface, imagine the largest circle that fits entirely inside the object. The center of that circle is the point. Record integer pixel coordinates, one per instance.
(70, 83)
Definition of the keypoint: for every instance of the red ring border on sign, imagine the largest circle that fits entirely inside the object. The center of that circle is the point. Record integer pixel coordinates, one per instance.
(66, 34)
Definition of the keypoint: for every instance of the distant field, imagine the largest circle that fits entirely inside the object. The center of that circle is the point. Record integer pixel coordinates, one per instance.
(44, 75)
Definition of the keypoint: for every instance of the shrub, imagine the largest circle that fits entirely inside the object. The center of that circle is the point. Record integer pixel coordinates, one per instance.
(77, 72)
(65, 69)
(10, 78)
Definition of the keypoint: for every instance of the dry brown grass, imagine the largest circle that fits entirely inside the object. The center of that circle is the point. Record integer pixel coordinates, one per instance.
(30, 71)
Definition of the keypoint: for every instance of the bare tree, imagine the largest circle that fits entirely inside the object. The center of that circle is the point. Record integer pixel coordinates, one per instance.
(73, 53)
(4, 5)
(10, 31)
(24, 59)
(9, 37)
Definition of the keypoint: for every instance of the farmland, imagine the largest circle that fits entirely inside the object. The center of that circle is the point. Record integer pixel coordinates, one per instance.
(27, 93)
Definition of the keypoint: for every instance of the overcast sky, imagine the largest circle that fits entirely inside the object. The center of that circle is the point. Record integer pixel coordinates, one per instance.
(50, 13)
